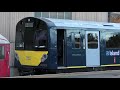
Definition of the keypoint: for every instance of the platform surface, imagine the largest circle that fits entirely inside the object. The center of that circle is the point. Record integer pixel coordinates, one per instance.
(93, 74)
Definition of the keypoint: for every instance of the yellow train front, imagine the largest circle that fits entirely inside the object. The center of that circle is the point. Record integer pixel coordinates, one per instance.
(31, 45)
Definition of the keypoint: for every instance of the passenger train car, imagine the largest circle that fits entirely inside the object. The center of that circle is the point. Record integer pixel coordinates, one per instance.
(4, 57)
(53, 44)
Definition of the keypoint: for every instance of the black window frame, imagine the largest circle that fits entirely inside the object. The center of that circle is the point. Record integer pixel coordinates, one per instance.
(77, 42)
(16, 40)
(46, 48)
(114, 33)
(22, 29)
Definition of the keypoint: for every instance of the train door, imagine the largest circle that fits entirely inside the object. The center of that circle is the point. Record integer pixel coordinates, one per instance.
(75, 48)
(92, 49)
(4, 61)
(60, 47)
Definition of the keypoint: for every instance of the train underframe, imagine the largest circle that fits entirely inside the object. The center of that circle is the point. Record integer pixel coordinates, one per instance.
(38, 71)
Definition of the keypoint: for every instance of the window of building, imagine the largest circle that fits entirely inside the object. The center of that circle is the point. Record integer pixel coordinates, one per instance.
(2, 54)
(59, 15)
(68, 15)
(114, 17)
(92, 40)
(112, 40)
(53, 15)
(38, 14)
(45, 14)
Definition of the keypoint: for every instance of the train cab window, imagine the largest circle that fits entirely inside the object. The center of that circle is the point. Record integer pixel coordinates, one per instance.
(19, 39)
(92, 40)
(40, 38)
(2, 54)
(77, 40)
(112, 40)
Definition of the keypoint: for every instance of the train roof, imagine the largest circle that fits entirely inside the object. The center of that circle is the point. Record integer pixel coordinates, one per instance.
(80, 24)
(3, 40)
(65, 23)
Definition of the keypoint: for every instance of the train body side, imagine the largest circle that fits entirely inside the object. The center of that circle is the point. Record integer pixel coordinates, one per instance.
(76, 57)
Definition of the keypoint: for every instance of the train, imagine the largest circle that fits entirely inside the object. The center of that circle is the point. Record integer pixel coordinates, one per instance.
(4, 57)
(61, 44)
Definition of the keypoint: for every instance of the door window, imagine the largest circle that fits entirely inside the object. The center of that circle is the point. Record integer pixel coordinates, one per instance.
(92, 40)
(77, 40)
(2, 54)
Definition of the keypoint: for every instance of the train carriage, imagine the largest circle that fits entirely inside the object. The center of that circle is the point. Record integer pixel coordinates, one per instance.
(4, 57)
(53, 44)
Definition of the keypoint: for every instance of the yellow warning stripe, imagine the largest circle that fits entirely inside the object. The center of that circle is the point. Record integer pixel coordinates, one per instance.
(86, 66)
(111, 65)
(77, 67)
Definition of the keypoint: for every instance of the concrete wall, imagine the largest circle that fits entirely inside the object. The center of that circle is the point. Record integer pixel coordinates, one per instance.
(90, 16)
(8, 21)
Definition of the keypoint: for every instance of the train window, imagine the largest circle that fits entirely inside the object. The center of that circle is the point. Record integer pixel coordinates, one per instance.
(40, 38)
(2, 54)
(83, 43)
(77, 40)
(92, 40)
(21, 22)
(112, 40)
(19, 39)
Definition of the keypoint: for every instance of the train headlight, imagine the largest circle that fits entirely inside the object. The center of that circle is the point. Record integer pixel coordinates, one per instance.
(44, 57)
